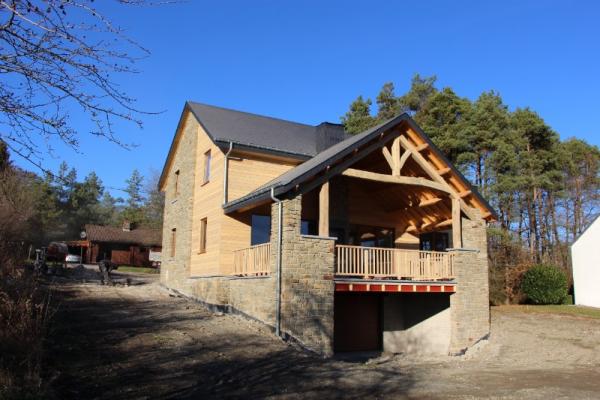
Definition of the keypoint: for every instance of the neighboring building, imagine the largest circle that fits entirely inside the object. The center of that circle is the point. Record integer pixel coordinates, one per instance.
(585, 253)
(365, 242)
(124, 246)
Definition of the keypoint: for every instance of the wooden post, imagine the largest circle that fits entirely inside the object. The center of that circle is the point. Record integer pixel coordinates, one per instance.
(396, 157)
(324, 210)
(456, 224)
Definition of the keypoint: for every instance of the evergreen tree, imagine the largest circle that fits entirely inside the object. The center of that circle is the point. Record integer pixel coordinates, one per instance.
(133, 211)
(387, 103)
(421, 89)
(359, 118)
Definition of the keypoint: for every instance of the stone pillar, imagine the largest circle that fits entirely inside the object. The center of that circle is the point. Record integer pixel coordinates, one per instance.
(470, 306)
(307, 281)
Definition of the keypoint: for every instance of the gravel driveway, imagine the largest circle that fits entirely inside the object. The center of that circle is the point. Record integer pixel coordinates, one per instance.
(140, 342)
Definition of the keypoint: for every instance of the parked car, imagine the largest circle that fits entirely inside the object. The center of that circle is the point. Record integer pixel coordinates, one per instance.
(73, 258)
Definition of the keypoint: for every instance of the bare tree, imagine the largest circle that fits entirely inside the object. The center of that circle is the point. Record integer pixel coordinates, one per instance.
(57, 56)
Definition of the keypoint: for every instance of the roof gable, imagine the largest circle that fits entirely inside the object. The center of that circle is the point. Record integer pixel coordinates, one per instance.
(257, 133)
(339, 157)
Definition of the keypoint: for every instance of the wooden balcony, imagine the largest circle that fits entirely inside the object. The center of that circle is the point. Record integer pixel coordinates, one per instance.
(383, 263)
(253, 260)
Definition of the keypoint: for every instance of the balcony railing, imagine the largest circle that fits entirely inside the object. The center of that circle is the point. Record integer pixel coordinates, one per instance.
(368, 262)
(253, 260)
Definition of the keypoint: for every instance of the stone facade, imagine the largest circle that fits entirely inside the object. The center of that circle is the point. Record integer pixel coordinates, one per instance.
(469, 306)
(307, 281)
(178, 211)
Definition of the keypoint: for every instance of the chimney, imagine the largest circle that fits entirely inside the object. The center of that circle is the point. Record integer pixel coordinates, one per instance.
(329, 134)
(126, 226)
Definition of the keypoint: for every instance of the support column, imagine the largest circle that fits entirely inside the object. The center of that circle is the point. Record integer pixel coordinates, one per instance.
(470, 305)
(456, 224)
(324, 210)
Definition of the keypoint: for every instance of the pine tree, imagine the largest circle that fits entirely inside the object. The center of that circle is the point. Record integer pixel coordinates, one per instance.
(387, 103)
(358, 118)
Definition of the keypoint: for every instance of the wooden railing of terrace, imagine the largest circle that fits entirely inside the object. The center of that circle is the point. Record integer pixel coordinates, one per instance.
(384, 263)
(253, 260)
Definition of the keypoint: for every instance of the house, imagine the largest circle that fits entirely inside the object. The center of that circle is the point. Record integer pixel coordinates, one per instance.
(343, 243)
(125, 245)
(585, 253)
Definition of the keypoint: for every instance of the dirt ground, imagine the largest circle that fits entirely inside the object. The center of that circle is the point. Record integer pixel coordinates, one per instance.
(140, 342)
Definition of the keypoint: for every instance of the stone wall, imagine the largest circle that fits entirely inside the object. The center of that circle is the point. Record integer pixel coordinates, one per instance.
(178, 210)
(469, 306)
(307, 281)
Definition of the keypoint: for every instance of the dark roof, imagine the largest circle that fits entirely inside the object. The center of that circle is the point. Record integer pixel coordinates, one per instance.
(291, 178)
(260, 132)
(111, 234)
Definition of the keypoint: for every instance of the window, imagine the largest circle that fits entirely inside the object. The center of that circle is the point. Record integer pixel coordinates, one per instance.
(308, 227)
(173, 241)
(203, 223)
(206, 176)
(176, 182)
(261, 229)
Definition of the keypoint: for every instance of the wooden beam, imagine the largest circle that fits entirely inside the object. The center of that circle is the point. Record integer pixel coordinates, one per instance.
(456, 224)
(464, 194)
(401, 180)
(388, 157)
(429, 202)
(443, 224)
(443, 171)
(396, 157)
(422, 146)
(403, 160)
(324, 210)
(432, 172)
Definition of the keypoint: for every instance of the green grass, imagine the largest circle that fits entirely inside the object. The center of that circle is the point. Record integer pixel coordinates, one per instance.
(576, 311)
(137, 270)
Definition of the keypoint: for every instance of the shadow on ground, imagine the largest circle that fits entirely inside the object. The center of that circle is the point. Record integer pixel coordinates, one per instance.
(138, 342)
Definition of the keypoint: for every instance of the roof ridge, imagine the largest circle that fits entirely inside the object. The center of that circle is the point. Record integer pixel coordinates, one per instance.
(252, 114)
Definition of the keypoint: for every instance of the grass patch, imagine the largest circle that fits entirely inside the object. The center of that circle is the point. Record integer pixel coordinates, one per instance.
(137, 270)
(577, 311)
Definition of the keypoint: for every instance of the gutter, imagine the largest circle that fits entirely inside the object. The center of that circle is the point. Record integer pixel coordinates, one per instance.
(278, 261)
(226, 174)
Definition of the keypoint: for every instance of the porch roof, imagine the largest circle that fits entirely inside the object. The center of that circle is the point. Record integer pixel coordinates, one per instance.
(320, 163)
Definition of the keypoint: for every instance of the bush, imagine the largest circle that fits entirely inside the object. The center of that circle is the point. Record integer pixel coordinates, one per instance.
(545, 284)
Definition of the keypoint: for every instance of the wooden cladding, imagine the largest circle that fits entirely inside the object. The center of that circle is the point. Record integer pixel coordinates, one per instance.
(253, 260)
(370, 262)
(203, 227)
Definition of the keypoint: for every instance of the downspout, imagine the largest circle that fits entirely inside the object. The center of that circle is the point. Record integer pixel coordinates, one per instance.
(226, 174)
(278, 261)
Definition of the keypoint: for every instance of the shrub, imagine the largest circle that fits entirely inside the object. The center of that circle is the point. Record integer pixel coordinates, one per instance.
(545, 284)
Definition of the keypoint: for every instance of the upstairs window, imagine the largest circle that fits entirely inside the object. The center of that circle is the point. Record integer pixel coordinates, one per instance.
(173, 241)
(203, 226)
(206, 175)
(176, 182)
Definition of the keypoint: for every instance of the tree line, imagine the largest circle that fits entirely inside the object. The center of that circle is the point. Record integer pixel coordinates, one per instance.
(544, 189)
(38, 209)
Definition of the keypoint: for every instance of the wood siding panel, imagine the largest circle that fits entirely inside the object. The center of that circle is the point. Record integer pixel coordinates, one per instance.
(208, 197)
(248, 174)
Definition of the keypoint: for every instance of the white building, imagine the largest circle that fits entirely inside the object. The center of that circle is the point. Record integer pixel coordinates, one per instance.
(585, 253)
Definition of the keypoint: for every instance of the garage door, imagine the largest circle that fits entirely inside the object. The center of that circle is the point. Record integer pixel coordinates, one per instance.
(357, 325)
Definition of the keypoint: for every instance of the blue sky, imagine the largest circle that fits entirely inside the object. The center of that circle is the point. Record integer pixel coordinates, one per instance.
(307, 60)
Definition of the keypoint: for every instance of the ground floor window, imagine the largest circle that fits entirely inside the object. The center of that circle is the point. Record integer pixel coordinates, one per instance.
(434, 241)
(371, 236)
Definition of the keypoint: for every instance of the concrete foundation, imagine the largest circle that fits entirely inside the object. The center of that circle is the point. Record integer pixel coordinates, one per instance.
(416, 323)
